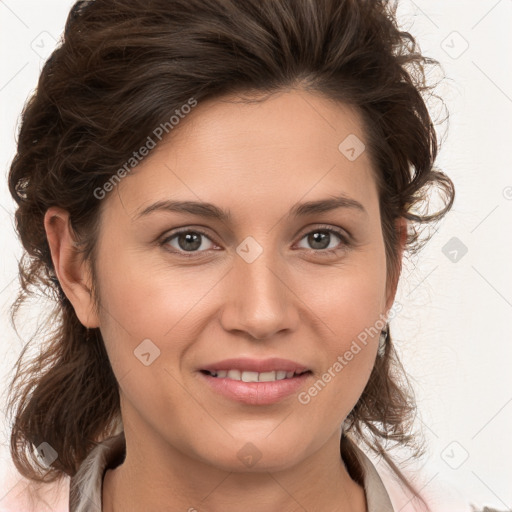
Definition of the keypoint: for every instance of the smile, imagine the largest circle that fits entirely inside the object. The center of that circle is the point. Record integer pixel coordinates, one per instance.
(250, 376)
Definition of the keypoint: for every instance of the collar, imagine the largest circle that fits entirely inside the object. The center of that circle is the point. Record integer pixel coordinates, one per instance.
(86, 484)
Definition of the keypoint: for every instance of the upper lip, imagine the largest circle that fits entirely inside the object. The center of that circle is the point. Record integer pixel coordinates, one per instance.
(256, 365)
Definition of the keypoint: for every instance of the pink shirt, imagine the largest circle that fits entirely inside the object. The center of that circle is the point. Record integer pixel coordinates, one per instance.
(82, 493)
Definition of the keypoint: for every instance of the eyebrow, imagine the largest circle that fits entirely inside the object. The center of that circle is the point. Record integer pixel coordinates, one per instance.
(211, 211)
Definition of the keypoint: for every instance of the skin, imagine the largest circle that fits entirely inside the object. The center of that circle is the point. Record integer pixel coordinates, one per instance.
(291, 302)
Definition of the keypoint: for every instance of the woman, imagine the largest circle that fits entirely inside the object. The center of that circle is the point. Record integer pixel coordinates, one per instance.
(219, 195)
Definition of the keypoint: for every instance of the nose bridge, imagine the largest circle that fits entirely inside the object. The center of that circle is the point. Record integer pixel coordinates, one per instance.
(259, 302)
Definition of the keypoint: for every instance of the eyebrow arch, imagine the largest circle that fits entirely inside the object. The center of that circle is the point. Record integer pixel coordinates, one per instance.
(326, 205)
(209, 210)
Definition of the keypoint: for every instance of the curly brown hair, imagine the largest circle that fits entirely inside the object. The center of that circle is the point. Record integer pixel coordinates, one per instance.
(121, 69)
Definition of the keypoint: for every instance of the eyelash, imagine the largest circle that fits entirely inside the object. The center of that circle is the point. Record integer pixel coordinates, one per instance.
(345, 240)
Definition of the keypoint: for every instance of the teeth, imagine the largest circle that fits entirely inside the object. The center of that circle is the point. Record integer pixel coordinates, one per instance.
(267, 376)
(250, 376)
(247, 376)
(234, 374)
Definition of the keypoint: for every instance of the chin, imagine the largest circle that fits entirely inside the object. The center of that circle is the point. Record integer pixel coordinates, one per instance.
(246, 456)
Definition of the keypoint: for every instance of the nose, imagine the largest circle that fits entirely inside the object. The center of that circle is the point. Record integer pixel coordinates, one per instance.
(259, 298)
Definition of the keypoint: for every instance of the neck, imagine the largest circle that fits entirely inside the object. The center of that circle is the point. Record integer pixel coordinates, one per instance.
(154, 473)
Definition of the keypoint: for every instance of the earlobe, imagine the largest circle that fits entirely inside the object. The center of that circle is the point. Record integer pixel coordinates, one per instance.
(72, 272)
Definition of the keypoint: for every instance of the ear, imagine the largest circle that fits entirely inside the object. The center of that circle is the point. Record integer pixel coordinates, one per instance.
(401, 227)
(72, 271)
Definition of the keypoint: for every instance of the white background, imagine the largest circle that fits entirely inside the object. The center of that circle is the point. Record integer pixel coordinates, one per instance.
(454, 328)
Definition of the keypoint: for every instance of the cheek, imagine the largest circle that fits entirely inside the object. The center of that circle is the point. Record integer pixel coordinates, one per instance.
(348, 359)
(350, 298)
(143, 300)
(350, 305)
(146, 326)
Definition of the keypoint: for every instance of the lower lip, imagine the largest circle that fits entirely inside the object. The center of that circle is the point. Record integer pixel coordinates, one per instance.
(256, 393)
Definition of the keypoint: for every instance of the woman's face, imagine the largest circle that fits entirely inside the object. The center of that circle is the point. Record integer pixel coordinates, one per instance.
(272, 279)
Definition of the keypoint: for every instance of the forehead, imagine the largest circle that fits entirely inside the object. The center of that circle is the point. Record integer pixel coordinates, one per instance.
(288, 147)
(296, 121)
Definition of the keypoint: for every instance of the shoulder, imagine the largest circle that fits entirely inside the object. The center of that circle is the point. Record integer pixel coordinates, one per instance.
(89, 478)
(64, 495)
(383, 486)
(440, 495)
(20, 494)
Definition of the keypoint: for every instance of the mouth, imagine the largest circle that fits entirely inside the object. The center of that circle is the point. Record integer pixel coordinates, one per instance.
(256, 388)
(251, 376)
(255, 381)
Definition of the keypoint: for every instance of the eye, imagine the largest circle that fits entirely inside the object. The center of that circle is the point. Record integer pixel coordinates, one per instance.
(321, 240)
(187, 241)
(191, 242)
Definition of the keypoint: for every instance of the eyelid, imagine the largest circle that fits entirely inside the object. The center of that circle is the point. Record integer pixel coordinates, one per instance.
(340, 232)
(346, 241)
(343, 233)
(173, 233)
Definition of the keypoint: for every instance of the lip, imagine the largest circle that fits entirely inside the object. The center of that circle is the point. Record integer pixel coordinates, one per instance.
(255, 393)
(256, 365)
